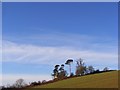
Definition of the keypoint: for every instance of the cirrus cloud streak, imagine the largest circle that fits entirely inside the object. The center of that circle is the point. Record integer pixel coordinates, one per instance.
(26, 53)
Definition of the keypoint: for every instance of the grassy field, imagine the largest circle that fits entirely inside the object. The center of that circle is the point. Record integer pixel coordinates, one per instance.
(101, 80)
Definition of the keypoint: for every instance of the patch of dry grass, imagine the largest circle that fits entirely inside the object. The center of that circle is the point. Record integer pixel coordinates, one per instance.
(101, 80)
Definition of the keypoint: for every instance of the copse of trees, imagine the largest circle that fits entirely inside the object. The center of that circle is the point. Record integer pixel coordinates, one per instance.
(59, 73)
(81, 69)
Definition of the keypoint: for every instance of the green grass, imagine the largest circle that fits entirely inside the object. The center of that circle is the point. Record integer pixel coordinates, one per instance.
(101, 80)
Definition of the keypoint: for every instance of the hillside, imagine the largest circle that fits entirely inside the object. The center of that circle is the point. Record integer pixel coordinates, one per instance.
(101, 80)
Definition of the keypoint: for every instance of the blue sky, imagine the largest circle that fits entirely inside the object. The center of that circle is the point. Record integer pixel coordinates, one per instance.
(36, 36)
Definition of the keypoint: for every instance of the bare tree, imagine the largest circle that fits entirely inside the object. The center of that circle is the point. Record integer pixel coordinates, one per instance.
(44, 81)
(80, 68)
(19, 83)
(91, 69)
(106, 69)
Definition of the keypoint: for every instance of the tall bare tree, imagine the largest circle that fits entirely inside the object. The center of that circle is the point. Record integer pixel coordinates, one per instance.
(68, 62)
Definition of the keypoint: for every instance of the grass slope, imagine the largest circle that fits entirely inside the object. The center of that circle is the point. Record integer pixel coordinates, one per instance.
(101, 80)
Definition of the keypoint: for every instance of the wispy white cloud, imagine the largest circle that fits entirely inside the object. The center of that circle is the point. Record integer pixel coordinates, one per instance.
(60, 39)
(22, 53)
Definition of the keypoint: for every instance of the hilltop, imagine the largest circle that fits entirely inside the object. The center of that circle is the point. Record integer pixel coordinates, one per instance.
(100, 80)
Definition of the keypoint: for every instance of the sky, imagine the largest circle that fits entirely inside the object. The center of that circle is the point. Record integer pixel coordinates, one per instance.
(37, 36)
